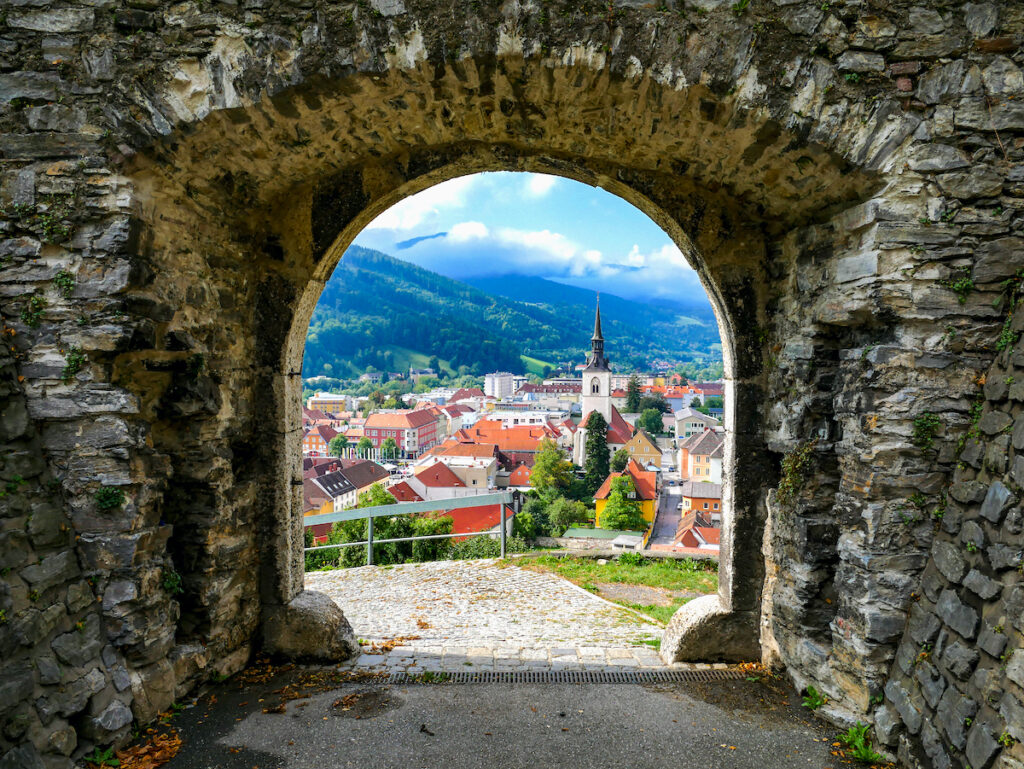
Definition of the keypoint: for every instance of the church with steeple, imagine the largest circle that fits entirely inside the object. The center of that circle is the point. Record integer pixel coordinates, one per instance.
(597, 396)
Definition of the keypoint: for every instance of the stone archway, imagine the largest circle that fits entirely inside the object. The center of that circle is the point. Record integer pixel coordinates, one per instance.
(212, 165)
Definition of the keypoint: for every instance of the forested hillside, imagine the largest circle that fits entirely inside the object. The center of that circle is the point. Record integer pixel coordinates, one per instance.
(374, 302)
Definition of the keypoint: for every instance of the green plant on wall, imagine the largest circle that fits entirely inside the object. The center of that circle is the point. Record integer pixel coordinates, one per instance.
(109, 498)
(32, 312)
(795, 468)
(64, 282)
(74, 359)
(925, 428)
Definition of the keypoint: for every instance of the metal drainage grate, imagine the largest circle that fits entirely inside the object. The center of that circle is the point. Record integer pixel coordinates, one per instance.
(566, 677)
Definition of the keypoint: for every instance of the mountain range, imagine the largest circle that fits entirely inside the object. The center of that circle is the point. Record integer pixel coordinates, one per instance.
(380, 311)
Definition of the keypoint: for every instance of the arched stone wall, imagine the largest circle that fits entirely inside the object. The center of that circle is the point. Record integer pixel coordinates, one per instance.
(833, 173)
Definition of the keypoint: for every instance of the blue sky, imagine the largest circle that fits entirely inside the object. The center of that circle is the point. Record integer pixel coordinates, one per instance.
(534, 224)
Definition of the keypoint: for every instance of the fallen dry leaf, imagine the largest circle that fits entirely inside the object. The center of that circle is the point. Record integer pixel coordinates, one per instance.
(156, 751)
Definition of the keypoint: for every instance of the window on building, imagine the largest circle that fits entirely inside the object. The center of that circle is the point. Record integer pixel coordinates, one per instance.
(705, 505)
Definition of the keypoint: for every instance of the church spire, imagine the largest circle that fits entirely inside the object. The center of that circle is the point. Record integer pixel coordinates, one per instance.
(597, 337)
(597, 361)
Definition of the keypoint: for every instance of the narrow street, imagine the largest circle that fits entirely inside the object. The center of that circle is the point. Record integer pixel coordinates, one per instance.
(667, 519)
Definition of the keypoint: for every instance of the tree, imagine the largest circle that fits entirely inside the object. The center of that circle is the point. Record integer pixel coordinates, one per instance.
(622, 511)
(619, 460)
(552, 472)
(434, 363)
(364, 446)
(655, 401)
(337, 445)
(650, 421)
(633, 395)
(389, 449)
(563, 513)
(595, 465)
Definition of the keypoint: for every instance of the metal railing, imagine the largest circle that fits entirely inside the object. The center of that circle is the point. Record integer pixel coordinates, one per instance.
(501, 498)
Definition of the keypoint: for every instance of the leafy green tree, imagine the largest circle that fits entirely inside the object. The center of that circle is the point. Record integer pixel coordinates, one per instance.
(714, 402)
(434, 363)
(595, 465)
(650, 421)
(633, 395)
(552, 472)
(364, 446)
(622, 512)
(564, 513)
(337, 445)
(536, 509)
(619, 460)
(655, 401)
(389, 449)
(524, 526)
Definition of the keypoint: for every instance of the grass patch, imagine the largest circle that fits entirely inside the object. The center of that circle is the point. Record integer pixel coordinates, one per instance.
(670, 574)
(535, 365)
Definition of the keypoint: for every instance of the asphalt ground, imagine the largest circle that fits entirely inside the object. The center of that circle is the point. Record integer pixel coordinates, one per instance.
(305, 718)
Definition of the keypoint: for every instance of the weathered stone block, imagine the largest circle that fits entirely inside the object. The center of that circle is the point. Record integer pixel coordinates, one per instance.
(959, 660)
(971, 533)
(931, 681)
(80, 646)
(311, 626)
(975, 183)
(949, 560)
(957, 615)
(981, 585)
(16, 685)
(1012, 711)
(992, 643)
(981, 18)
(981, 745)
(968, 491)
(861, 61)
(997, 500)
(952, 713)
(1003, 557)
(923, 625)
(29, 85)
(937, 157)
(906, 705)
(998, 259)
(53, 570)
(56, 20)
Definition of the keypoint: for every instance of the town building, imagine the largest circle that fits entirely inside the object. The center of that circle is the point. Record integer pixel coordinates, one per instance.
(316, 440)
(597, 396)
(643, 448)
(412, 431)
(702, 498)
(499, 384)
(645, 484)
(329, 402)
(700, 456)
(689, 421)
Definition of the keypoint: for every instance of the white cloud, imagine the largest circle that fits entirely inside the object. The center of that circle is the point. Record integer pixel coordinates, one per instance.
(425, 207)
(539, 185)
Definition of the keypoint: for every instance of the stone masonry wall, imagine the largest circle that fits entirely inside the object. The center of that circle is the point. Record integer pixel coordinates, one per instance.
(177, 181)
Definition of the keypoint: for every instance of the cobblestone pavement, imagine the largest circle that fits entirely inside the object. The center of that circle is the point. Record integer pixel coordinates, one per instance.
(484, 616)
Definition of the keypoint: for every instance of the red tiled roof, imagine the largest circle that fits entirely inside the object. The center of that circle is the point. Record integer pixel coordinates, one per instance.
(403, 420)
(439, 475)
(619, 430)
(643, 480)
(476, 450)
(520, 476)
(325, 432)
(403, 492)
(466, 520)
(710, 535)
(466, 392)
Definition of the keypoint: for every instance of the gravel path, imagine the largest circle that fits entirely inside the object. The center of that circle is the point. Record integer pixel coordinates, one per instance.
(488, 615)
